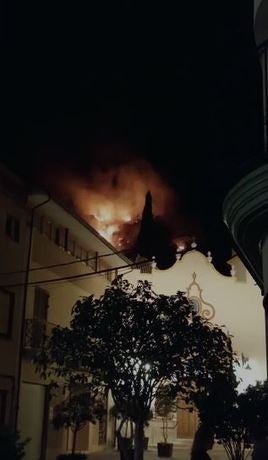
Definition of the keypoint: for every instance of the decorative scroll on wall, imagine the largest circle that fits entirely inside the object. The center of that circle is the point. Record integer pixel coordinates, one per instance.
(194, 294)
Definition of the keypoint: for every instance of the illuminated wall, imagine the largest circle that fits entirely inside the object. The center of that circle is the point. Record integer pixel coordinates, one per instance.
(235, 302)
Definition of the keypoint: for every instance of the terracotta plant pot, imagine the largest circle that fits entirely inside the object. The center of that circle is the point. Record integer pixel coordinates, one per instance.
(164, 449)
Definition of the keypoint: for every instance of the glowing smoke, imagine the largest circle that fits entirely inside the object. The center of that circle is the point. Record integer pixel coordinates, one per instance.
(112, 199)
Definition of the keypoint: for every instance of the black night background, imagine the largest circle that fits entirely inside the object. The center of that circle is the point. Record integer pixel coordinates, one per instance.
(105, 84)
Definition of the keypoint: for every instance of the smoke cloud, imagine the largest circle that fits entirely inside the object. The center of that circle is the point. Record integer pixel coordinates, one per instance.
(110, 197)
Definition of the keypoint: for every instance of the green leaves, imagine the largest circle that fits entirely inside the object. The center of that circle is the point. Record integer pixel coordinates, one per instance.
(235, 417)
(82, 405)
(132, 341)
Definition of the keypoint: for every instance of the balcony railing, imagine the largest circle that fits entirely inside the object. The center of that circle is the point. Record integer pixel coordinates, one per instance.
(34, 333)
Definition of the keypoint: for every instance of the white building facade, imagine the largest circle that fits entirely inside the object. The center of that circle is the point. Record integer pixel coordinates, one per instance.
(233, 302)
(49, 259)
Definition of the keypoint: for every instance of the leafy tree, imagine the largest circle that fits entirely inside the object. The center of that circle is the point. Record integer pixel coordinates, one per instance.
(133, 341)
(256, 397)
(76, 410)
(232, 429)
(234, 416)
(59, 363)
(164, 407)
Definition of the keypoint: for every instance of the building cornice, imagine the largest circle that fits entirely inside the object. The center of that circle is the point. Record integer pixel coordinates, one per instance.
(245, 212)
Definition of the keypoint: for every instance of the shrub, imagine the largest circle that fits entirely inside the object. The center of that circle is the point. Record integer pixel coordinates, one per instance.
(11, 446)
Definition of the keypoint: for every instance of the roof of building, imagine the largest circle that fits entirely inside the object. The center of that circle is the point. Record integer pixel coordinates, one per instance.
(86, 233)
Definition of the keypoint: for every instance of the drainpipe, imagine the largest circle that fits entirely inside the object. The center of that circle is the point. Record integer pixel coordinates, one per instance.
(24, 304)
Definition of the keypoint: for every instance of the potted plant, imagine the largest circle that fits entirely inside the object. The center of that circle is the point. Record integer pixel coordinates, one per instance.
(124, 443)
(146, 424)
(165, 406)
(74, 412)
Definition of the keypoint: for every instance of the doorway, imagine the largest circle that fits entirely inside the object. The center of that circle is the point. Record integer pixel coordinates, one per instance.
(187, 421)
(32, 419)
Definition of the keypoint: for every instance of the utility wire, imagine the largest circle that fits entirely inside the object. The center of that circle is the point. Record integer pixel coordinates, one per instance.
(72, 277)
(63, 264)
(93, 275)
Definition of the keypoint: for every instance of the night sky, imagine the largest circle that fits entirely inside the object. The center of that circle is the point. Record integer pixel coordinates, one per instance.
(177, 83)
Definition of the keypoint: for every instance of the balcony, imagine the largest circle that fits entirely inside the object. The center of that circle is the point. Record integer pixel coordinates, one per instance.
(34, 333)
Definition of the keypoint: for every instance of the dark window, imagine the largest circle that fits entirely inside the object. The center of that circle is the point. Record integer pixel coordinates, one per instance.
(41, 224)
(3, 406)
(84, 256)
(91, 262)
(6, 312)
(72, 247)
(13, 228)
(146, 268)
(41, 298)
(41, 303)
(78, 252)
(49, 229)
(58, 237)
(66, 239)
(109, 276)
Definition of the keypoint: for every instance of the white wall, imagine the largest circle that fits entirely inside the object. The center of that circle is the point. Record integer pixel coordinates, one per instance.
(31, 416)
(62, 297)
(237, 302)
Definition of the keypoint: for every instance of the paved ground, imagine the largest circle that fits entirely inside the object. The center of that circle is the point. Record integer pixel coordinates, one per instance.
(151, 454)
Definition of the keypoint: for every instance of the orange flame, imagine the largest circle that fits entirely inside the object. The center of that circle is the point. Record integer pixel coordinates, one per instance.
(112, 201)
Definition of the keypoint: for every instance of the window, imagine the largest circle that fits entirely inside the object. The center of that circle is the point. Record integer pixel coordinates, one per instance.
(41, 224)
(41, 304)
(91, 262)
(146, 267)
(109, 276)
(49, 229)
(72, 247)
(59, 237)
(66, 238)
(6, 312)
(84, 256)
(13, 228)
(41, 300)
(78, 252)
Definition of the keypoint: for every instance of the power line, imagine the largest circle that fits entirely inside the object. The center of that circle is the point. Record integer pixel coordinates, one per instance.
(56, 284)
(72, 277)
(63, 264)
